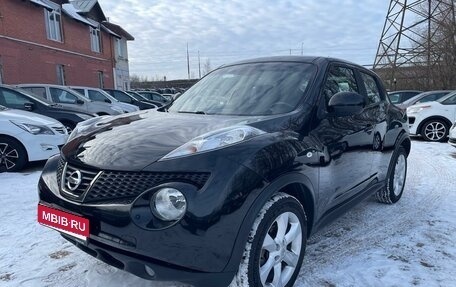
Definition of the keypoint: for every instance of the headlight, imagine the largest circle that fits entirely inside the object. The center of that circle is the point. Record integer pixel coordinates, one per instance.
(215, 140)
(168, 204)
(34, 129)
(415, 110)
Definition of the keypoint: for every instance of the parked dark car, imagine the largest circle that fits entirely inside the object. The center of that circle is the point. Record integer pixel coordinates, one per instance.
(17, 98)
(142, 98)
(154, 96)
(129, 99)
(398, 97)
(228, 184)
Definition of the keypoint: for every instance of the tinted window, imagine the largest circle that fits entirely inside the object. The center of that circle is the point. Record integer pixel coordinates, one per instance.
(97, 96)
(121, 97)
(248, 89)
(62, 96)
(81, 91)
(39, 91)
(430, 98)
(12, 99)
(450, 101)
(373, 94)
(339, 80)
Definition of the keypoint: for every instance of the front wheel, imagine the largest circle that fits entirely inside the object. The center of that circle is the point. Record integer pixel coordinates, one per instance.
(397, 173)
(275, 249)
(434, 130)
(13, 156)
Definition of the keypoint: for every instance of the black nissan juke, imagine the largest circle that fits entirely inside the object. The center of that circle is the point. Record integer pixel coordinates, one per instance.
(226, 185)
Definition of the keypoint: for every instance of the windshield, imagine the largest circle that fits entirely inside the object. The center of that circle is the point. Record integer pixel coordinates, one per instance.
(136, 96)
(450, 95)
(248, 89)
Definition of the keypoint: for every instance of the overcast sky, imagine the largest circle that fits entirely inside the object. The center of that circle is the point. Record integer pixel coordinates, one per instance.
(227, 31)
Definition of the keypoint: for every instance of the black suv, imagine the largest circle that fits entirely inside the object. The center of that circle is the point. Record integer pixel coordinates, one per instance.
(228, 183)
(17, 98)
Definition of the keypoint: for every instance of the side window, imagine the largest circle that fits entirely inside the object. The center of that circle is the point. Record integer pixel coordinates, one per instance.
(122, 97)
(428, 98)
(39, 91)
(339, 79)
(450, 101)
(96, 96)
(373, 94)
(62, 96)
(12, 99)
(81, 91)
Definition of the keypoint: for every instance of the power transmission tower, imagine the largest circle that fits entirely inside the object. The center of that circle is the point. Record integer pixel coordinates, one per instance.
(412, 38)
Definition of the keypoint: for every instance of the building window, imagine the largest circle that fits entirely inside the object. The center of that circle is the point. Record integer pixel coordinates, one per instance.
(100, 79)
(61, 75)
(53, 25)
(95, 43)
(120, 48)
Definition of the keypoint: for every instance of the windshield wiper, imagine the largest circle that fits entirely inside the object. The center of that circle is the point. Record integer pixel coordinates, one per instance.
(188, 112)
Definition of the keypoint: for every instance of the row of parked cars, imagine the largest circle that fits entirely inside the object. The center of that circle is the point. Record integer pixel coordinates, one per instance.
(431, 115)
(36, 119)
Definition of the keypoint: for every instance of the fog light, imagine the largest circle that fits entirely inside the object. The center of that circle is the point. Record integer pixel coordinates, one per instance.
(168, 204)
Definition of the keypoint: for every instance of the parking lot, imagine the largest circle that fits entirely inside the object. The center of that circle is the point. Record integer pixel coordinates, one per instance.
(410, 243)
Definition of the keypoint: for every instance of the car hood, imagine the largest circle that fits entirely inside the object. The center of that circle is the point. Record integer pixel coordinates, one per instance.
(134, 141)
(27, 117)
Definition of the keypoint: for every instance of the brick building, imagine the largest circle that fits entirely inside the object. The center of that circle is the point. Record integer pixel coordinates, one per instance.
(61, 42)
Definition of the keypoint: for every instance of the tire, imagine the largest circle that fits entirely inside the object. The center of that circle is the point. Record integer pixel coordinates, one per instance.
(13, 156)
(434, 130)
(282, 214)
(396, 177)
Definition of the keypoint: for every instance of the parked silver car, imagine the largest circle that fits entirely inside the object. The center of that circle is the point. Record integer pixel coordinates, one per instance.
(71, 99)
(98, 95)
(423, 98)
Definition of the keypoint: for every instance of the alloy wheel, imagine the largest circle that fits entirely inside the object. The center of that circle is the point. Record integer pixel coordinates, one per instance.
(8, 156)
(280, 250)
(399, 175)
(435, 131)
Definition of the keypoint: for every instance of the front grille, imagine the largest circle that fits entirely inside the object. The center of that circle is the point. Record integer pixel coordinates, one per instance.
(87, 178)
(119, 186)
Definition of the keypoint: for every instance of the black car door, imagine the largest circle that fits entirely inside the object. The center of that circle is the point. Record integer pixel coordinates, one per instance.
(347, 142)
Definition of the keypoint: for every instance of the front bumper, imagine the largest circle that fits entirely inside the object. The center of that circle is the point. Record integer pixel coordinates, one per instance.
(41, 147)
(195, 250)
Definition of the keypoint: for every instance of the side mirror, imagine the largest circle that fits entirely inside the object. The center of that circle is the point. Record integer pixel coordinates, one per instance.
(29, 106)
(346, 104)
(108, 101)
(79, 102)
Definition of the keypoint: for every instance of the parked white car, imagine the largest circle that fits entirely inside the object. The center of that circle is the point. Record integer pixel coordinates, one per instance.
(26, 136)
(432, 120)
(98, 95)
(452, 140)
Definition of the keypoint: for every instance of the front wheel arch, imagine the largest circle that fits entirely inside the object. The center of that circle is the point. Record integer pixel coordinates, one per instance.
(293, 184)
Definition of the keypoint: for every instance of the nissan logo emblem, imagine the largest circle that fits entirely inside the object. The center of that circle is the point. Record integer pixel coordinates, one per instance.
(74, 180)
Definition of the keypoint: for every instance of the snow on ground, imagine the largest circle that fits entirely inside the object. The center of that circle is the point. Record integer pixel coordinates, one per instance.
(406, 244)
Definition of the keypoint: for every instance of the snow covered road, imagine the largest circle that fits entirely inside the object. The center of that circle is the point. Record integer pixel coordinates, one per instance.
(407, 244)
